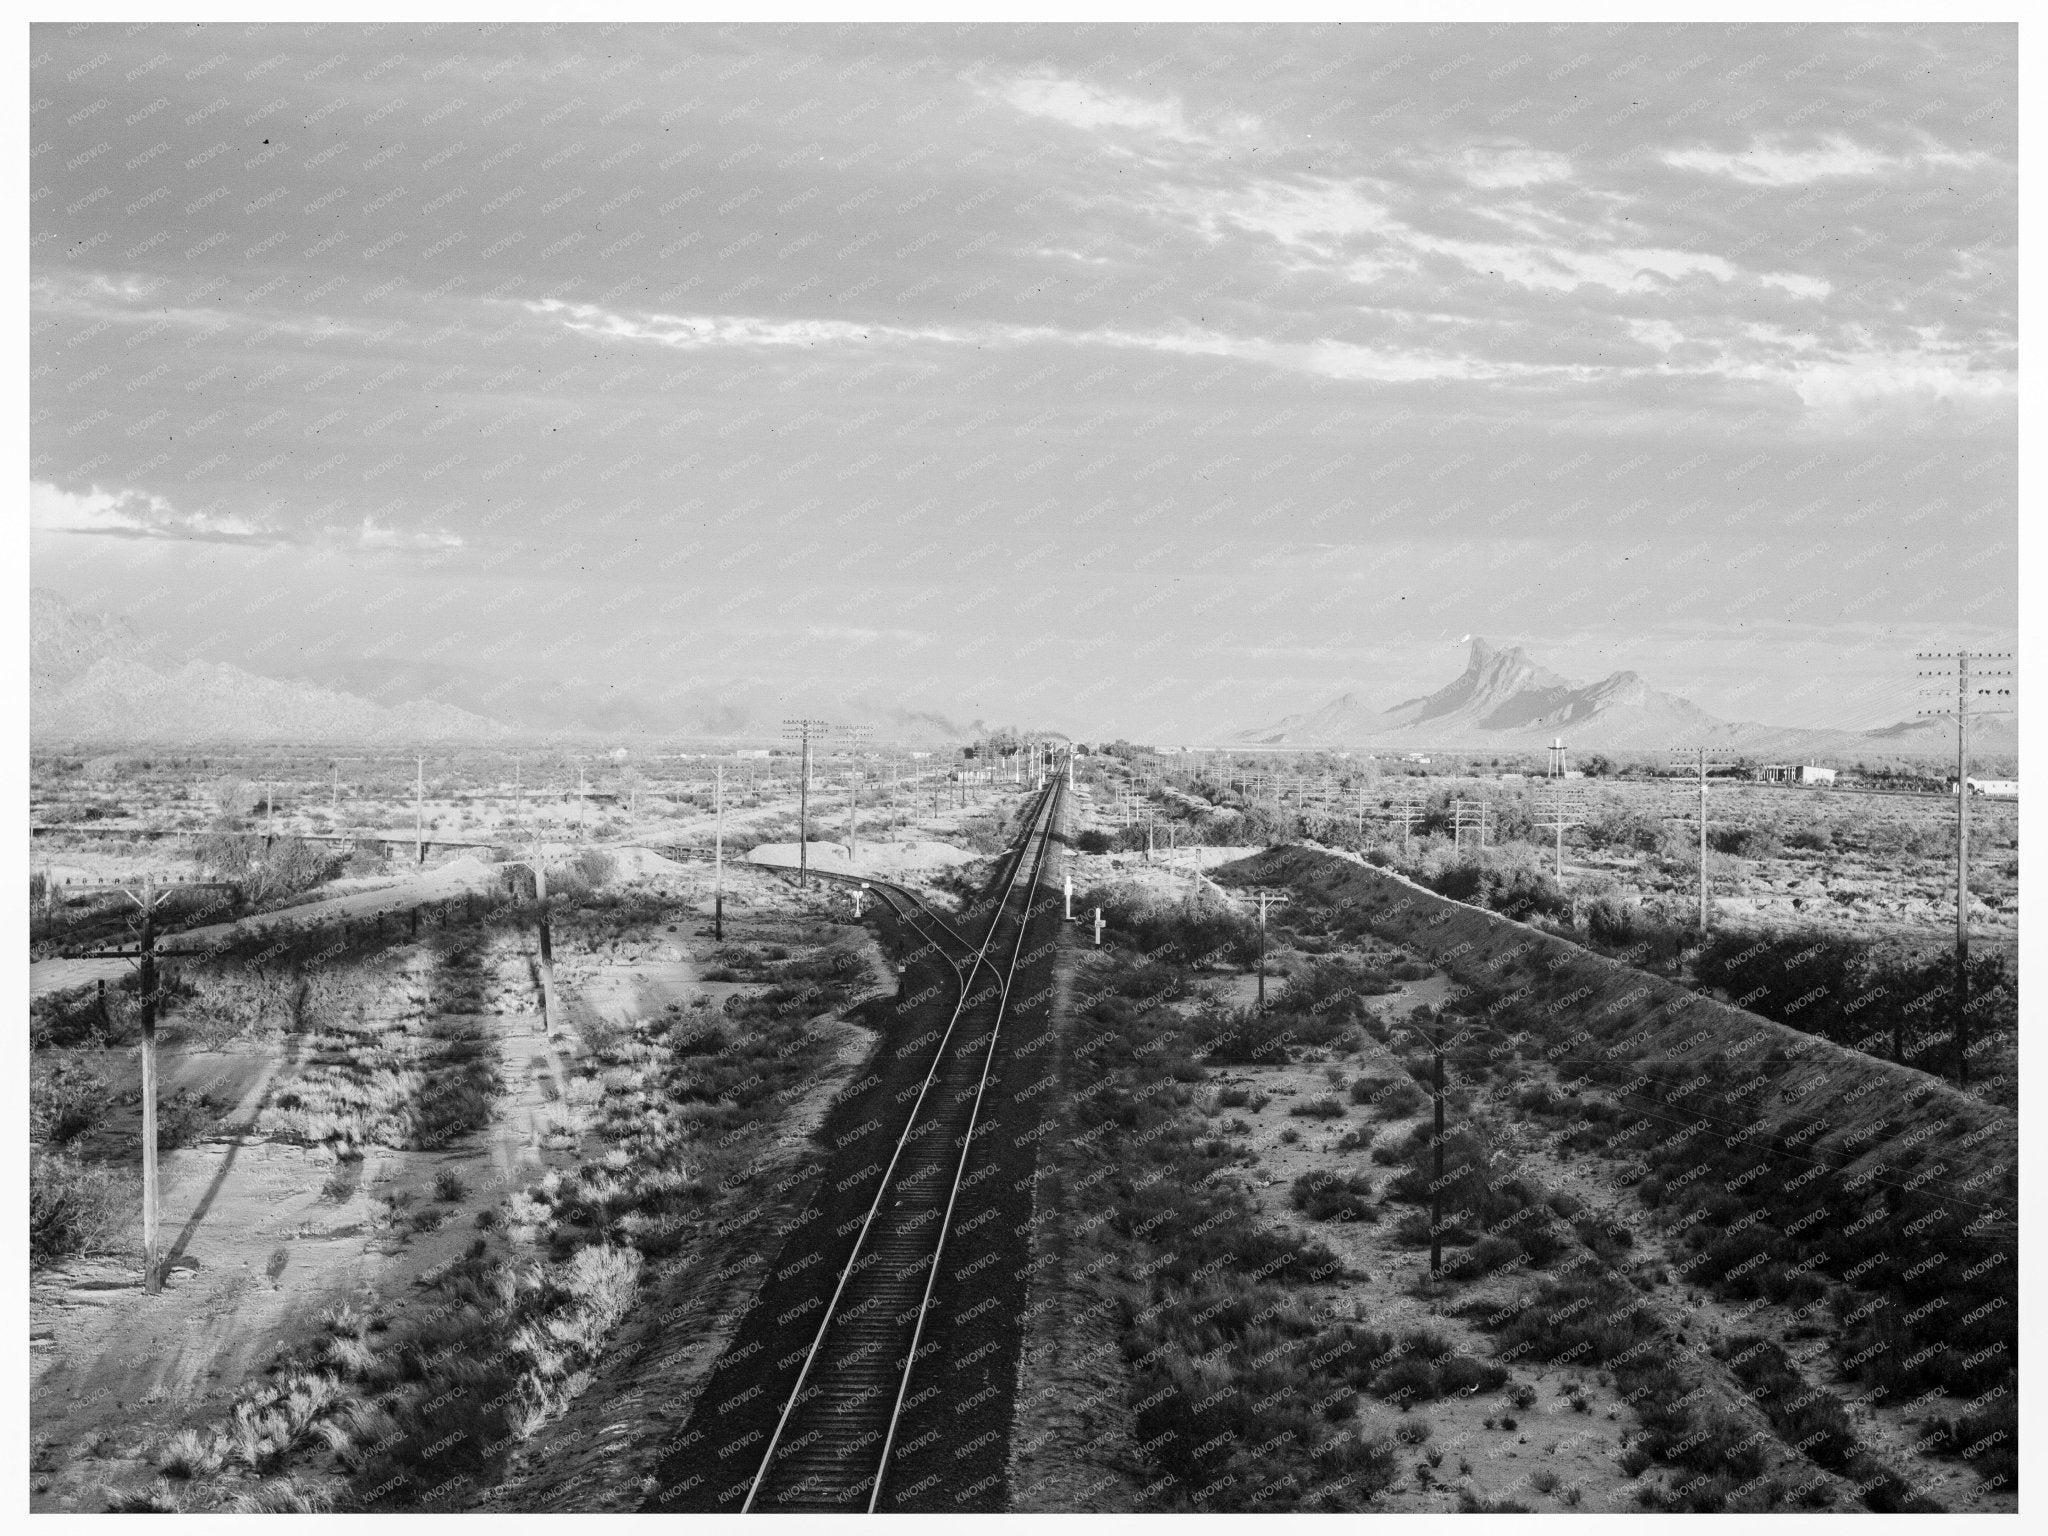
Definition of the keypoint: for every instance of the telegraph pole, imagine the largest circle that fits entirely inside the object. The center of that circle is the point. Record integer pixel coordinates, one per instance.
(1993, 700)
(718, 856)
(1266, 898)
(803, 730)
(1563, 813)
(419, 814)
(1702, 755)
(1467, 813)
(1436, 1188)
(854, 738)
(334, 805)
(152, 1276)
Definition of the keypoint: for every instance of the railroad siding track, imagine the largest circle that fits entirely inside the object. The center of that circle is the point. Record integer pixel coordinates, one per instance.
(813, 1395)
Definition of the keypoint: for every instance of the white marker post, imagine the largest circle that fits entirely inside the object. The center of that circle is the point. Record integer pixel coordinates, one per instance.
(1070, 898)
(1098, 927)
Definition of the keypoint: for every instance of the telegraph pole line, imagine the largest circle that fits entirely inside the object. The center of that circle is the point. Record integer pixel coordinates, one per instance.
(803, 729)
(419, 814)
(1984, 701)
(718, 855)
(1702, 755)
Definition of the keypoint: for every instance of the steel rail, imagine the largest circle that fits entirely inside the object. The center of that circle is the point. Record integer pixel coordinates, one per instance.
(966, 1149)
(1041, 815)
(902, 891)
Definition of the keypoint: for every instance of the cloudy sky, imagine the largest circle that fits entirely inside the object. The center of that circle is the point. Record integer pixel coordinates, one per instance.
(1155, 380)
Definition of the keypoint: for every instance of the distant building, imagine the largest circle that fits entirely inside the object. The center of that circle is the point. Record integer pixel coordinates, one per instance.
(1789, 773)
(758, 752)
(1993, 789)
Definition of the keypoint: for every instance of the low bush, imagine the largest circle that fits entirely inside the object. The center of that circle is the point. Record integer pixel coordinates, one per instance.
(66, 1099)
(185, 1119)
(1317, 1109)
(75, 1207)
(1391, 1098)
(1325, 1196)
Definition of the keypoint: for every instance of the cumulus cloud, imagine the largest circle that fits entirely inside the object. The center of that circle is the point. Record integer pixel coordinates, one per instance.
(134, 515)
(1327, 357)
(1514, 166)
(1774, 164)
(1079, 104)
(371, 534)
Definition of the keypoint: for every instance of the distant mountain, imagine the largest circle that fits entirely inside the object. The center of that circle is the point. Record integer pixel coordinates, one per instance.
(64, 641)
(748, 706)
(1504, 699)
(92, 679)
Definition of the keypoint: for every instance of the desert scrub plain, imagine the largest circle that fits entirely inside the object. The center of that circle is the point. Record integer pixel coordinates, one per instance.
(1833, 911)
(424, 1212)
(1639, 1310)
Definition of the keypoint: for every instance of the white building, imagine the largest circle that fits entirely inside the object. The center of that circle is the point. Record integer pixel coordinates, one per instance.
(1995, 789)
(1787, 773)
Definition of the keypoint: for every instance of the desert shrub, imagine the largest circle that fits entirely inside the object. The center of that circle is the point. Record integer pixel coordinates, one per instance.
(1392, 1098)
(186, 1118)
(288, 866)
(1500, 883)
(1424, 1367)
(1987, 1436)
(1244, 1038)
(66, 1099)
(1326, 1196)
(1483, 1257)
(1167, 930)
(1317, 1109)
(74, 1207)
(1745, 842)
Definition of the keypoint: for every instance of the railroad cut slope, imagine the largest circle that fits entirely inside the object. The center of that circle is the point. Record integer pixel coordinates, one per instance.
(1805, 1155)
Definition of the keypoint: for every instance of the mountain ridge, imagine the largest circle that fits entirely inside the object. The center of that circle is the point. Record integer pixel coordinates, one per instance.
(1505, 699)
(93, 678)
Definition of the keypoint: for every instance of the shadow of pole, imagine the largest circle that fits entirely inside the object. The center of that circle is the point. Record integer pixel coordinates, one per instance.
(220, 1175)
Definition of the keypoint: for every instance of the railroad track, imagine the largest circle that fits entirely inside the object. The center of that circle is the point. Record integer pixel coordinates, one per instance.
(832, 1442)
(914, 913)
